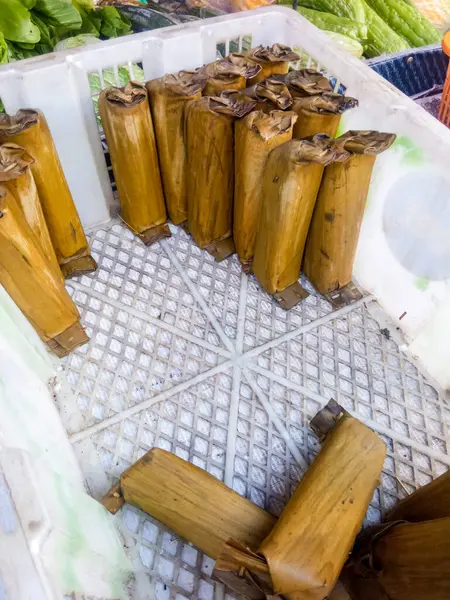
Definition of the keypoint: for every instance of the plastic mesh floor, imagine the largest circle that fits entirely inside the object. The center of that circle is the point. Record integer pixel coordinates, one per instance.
(191, 356)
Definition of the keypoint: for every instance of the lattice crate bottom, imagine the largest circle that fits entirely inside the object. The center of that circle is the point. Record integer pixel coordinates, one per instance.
(192, 356)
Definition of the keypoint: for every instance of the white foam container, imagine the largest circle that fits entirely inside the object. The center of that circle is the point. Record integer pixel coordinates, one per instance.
(403, 259)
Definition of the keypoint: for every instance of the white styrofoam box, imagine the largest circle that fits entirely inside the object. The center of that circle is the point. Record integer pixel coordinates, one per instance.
(403, 254)
(54, 539)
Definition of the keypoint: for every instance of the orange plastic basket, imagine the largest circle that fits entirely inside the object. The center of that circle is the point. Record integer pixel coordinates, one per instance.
(444, 109)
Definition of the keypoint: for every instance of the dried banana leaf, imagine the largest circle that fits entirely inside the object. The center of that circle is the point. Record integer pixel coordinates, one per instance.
(308, 546)
(401, 561)
(192, 503)
(307, 82)
(320, 114)
(273, 60)
(210, 143)
(270, 94)
(128, 127)
(291, 181)
(334, 231)
(432, 501)
(255, 136)
(17, 178)
(168, 98)
(29, 129)
(32, 283)
(229, 73)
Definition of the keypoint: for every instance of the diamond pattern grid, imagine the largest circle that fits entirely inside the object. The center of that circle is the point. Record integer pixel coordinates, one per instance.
(128, 360)
(143, 278)
(173, 569)
(192, 424)
(219, 284)
(143, 311)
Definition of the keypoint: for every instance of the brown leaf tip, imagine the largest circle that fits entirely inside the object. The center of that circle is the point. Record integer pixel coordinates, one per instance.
(232, 66)
(232, 103)
(307, 82)
(22, 120)
(275, 53)
(186, 83)
(14, 161)
(275, 91)
(272, 124)
(132, 94)
(367, 142)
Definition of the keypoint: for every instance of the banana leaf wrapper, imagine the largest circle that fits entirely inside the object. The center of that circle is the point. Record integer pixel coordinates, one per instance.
(17, 178)
(128, 127)
(229, 73)
(256, 135)
(307, 82)
(168, 97)
(305, 551)
(210, 143)
(320, 114)
(432, 501)
(291, 182)
(400, 561)
(31, 281)
(269, 95)
(29, 129)
(334, 231)
(192, 503)
(273, 60)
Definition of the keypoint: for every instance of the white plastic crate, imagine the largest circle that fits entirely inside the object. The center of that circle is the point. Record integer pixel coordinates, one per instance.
(403, 256)
(191, 356)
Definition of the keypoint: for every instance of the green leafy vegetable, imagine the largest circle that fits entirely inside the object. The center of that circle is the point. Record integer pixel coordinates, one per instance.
(113, 23)
(3, 50)
(28, 3)
(406, 20)
(15, 22)
(61, 13)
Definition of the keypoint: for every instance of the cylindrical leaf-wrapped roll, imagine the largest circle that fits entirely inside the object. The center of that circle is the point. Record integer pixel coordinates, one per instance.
(210, 143)
(229, 73)
(334, 231)
(17, 178)
(29, 129)
(310, 543)
(291, 181)
(32, 283)
(269, 95)
(255, 136)
(320, 114)
(273, 60)
(168, 97)
(399, 560)
(130, 136)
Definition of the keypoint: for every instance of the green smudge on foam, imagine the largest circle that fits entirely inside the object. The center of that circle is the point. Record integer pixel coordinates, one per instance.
(412, 154)
(422, 284)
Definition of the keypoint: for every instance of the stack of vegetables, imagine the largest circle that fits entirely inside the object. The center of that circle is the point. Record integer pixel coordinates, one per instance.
(242, 155)
(370, 27)
(32, 27)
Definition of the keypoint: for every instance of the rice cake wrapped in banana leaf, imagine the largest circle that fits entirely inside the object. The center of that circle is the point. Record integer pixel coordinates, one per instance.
(229, 73)
(334, 231)
(269, 95)
(306, 82)
(29, 129)
(320, 114)
(210, 144)
(291, 182)
(168, 97)
(17, 178)
(128, 127)
(33, 283)
(255, 136)
(273, 60)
